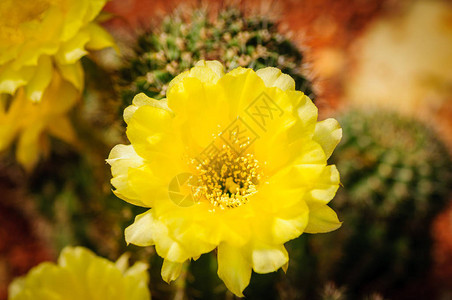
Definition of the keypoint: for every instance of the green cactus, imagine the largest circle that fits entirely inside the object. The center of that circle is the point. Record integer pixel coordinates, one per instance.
(179, 43)
(392, 167)
(396, 175)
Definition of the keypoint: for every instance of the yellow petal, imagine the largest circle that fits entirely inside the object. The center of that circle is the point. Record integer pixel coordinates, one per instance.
(40, 80)
(17, 286)
(11, 79)
(171, 270)
(137, 270)
(307, 113)
(140, 232)
(290, 226)
(195, 238)
(310, 153)
(59, 89)
(148, 130)
(123, 157)
(99, 38)
(328, 134)
(233, 268)
(143, 186)
(100, 277)
(122, 263)
(61, 127)
(80, 274)
(322, 219)
(75, 258)
(325, 188)
(75, 11)
(268, 258)
(273, 77)
(140, 100)
(242, 87)
(208, 72)
(27, 152)
(94, 8)
(124, 191)
(200, 117)
(73, 73)
(72, 50)
(167, 247)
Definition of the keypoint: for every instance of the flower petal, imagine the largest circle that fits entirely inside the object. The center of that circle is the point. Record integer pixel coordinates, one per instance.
(61, 127)
(40, 80)
(99, 38)
(208, 72)
(122, 158)
(140, 100)
(328, 134)
(233, 268)
(325, 188)
(167, 247)
(11, 79)
(203, 68)
(27, 151)
(149, 130)
(171, 270)
(242, 87)
(322, 219)
(273, 77)
(75, 258)
(290, 225)
(269, 258)
(307, 115)
(72, 50)
(73, 73)
(201, 117)
(140, 232)
(138, 270)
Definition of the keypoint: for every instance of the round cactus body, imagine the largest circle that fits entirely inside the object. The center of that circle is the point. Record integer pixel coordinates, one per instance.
(396, 175)
(230, 37)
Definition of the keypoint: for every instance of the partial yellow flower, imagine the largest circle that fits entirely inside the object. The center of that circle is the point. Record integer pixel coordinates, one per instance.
(39, 36)
(235, 162)
(30, 121)
(80, 274)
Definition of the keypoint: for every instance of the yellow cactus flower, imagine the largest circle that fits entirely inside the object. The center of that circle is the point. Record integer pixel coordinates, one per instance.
(235, 162)
(30, 121)
(80, 274)
(39, 36)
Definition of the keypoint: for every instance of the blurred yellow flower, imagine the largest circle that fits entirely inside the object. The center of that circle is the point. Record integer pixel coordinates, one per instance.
(39, 36)
(233, 161)
(30, 121)
(80, 274)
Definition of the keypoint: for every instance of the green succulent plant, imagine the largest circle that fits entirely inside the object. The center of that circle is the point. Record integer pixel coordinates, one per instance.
(396, 176)
(235, 40)
(392, 167)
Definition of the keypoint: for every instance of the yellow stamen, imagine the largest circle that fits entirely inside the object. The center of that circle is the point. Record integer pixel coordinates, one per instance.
(228, 179)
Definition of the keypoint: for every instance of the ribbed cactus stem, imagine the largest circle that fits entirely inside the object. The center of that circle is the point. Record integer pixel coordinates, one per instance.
(230, 37)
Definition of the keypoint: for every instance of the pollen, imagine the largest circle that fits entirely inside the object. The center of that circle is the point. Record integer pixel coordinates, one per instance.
(227, 179)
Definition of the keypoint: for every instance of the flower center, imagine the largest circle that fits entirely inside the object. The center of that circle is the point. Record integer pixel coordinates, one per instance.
(227, 179)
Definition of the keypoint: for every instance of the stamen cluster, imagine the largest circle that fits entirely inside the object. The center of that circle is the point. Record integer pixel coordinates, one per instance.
(228, 179)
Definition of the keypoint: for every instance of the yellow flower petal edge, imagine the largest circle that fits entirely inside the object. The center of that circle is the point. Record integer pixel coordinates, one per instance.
(40, 36)
(31, 123)
(230, 161)
(80, 274)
